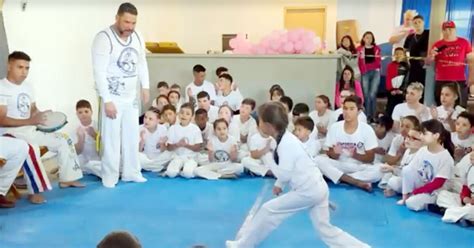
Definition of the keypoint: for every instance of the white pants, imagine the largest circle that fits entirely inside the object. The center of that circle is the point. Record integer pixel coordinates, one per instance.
(214, 171)
(256, 166)
(183, 166)
(334, 169)
(15, 152)
(391, 181)
(60, 143)
(120, 140)
(314, 197)
(454, 208)
(93, 167)
(156, 164)
(243, 152)
(410, 181)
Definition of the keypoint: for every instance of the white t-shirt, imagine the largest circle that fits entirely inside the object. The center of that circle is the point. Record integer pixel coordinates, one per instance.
(234, 130)
(312, 147)
(119, 65)
(207, 133)
(206, 86)
(247, 128)
(191, 133)
(464, 170)
(18, 100)
(466, 143)
(362, 140)
(385, 144)
(320, 120)
(152, 141)
(213, 113)
(221, 150)
(233, 100)
(395, 145)
(258, 142)
(402, 110)
(338, 112)
(89, 151)
(443, 115)
(430, 165)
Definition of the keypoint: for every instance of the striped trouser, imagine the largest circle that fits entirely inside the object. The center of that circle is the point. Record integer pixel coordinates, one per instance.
(37, 180)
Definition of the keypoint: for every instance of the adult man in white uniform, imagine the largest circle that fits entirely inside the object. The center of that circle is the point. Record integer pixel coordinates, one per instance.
(119, 62)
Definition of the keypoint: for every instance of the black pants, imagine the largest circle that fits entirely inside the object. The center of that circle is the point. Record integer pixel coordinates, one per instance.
(392, 101)
(463, 94)
(417, 74)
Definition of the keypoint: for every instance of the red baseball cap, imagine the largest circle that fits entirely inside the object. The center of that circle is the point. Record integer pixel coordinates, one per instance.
(449, 24)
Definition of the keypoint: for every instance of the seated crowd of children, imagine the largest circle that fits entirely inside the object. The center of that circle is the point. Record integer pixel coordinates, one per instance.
(424, 154)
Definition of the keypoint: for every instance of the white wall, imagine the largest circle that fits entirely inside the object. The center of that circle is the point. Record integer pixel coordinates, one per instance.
(58, 33)
(378, 16)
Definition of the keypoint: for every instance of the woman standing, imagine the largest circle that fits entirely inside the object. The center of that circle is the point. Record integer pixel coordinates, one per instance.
(349, 56)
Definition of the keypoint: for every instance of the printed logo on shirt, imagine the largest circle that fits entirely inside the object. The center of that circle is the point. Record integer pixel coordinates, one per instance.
(426, 172)
(128, 60)
(24, 104)
(221, 156)
(115, 86)
(360, 145)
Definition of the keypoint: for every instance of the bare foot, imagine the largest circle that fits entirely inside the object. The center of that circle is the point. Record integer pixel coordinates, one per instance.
(36, 199)
(388, 193)
(365, 186)
(73, 184)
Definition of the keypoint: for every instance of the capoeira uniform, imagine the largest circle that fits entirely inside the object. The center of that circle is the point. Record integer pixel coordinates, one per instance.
(308, 191)
(184, 158)
(362, 140)
(15, 152)
(424, 169)
(118, 66)
(261, 165)
(247, 128)
(221, 164)
(452, 199)
(152, 158)
(393, 180)
(18, 99)
(89, 158)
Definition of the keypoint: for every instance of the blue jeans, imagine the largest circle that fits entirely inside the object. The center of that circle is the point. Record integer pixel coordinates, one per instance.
(370, 86)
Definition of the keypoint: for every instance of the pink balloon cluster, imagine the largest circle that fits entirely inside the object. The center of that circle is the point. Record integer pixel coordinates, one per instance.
(296, 41)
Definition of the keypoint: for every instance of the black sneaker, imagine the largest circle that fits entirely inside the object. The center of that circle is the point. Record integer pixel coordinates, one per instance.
(436, 209)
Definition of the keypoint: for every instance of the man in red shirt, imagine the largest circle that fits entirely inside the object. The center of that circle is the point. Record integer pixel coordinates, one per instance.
(451, 54)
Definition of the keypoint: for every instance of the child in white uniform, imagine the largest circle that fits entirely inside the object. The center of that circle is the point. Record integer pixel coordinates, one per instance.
(169, 116)
(84, 139)
(397, 146)
(459, 203)
(307, 190)
(204, 102)
(185, 140)
(448, 111)
(247, 126)
(392, 179)
(175, 99)
(229, 97)
(207, 131)
(431, 167)
(412, 106)
(225, 112)
(153, 136)
(462, 138)
(351, 145)
(383, 131)
(222, 151)
(321, 116)
(261, 149)
(304, 126)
